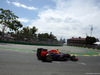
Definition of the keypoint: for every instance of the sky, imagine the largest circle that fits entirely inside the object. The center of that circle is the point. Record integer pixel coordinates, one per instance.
(64, 18)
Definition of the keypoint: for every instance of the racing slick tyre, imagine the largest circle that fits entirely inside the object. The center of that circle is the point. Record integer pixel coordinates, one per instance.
(48, 58)
(73, 58)
(39, 53)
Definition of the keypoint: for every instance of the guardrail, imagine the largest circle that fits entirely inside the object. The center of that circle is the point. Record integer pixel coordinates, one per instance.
(86, 46)
(27, 43)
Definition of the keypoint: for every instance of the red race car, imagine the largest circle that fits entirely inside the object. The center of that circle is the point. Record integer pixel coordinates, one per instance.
(43, 54)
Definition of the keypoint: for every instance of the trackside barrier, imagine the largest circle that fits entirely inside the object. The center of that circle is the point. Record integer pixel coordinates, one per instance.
(12, 42)
(85, 47)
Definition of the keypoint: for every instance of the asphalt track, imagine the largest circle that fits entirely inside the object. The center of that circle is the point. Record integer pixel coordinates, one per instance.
(17, 60)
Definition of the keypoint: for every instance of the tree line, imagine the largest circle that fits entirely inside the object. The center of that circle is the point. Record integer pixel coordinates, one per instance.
(90, 40)
(9, 20)
(28, 34)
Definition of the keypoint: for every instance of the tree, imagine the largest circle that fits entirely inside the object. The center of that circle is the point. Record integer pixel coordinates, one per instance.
(46, 36)
(33, 31)
(27, 33)
(90, 40)
(0, 33)
(43, 36)
(9, 19)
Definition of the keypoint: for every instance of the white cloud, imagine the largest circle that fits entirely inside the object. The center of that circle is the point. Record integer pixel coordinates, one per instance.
(8, 1)
(70, 18)
(23, 20)
(23, 6)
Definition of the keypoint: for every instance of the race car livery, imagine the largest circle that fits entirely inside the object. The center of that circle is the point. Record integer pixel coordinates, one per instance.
(44, 54)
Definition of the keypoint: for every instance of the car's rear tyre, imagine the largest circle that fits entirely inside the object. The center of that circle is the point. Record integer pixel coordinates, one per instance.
(39, 53)
(48, 58)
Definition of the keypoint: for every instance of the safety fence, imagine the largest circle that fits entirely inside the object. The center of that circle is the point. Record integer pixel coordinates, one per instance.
(32, 43)
(86, 46)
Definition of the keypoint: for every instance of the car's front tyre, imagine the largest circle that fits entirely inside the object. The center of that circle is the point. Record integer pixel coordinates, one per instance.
(73, 58)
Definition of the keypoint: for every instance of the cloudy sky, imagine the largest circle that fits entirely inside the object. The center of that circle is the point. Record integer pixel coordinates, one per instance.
(64, 18)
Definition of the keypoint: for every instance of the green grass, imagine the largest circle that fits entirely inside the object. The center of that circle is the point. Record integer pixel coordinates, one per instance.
(90, 53)
(17, 49)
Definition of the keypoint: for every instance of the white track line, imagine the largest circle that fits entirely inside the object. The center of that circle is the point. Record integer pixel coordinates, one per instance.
(83, 63)
(92, 73)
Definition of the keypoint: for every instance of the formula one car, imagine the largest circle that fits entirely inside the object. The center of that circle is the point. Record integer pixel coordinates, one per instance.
(43, 54)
